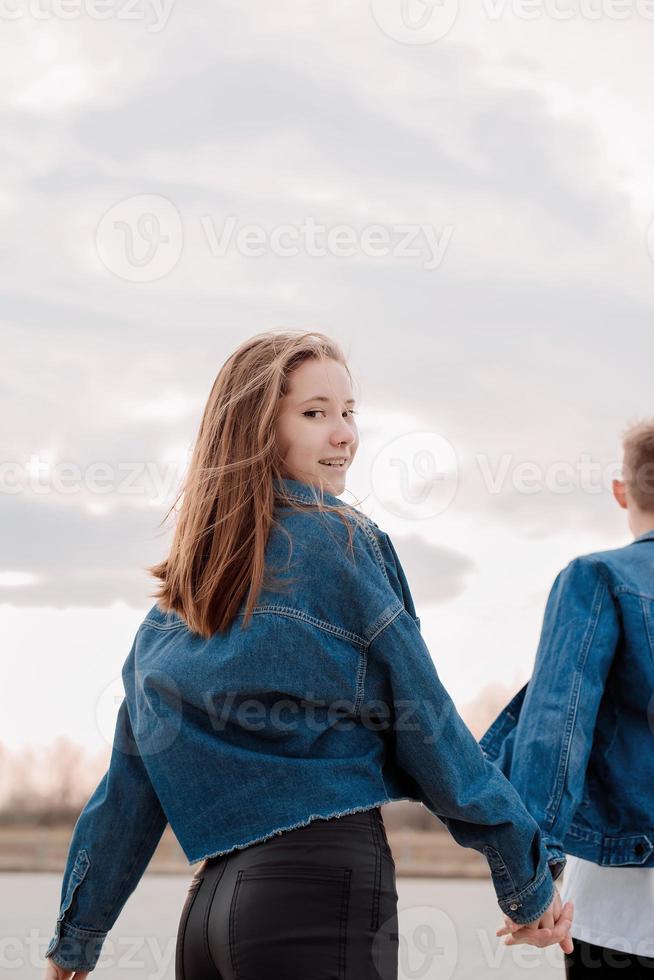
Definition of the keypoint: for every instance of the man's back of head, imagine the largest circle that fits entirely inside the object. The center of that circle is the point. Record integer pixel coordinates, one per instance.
(634, 492)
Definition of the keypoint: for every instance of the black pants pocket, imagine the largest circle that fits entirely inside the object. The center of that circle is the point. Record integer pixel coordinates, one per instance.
(289, 921)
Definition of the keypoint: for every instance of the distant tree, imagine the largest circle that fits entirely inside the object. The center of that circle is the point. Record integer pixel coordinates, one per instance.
(482, 711)
(52, 780)
(65, 760)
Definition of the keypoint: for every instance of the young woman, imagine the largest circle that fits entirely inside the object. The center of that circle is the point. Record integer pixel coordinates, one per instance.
(277, 694)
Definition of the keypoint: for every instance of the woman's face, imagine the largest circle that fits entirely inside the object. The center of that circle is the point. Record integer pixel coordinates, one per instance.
(315, 423)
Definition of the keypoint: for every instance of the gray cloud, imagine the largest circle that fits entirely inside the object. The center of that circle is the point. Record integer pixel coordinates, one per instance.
(80, 559)
(434, 573)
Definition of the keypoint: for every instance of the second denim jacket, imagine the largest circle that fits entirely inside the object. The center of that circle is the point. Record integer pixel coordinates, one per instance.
(577, 741)
(327, 703)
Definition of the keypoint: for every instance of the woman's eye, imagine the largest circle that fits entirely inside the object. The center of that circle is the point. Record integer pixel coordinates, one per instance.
(312, 411)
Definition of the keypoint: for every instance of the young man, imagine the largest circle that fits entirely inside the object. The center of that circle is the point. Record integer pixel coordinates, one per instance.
(578, 740)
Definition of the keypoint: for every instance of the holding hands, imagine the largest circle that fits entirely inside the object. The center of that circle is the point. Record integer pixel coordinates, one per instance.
(552, 927)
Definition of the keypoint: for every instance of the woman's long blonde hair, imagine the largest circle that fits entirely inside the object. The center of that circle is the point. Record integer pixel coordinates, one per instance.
(217, 553)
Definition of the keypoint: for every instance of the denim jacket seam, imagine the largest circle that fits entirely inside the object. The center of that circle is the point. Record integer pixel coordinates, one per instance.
(75, 878)
(80, 932)
(299, 499)
(370, 534)
(362, 668)
(313, 621)
(578, 833)
(618, 588)
(503, 870)
(553, 807)
(337, 631)
(389, 615)
(648, 631)
(163, 628)
(636, 593)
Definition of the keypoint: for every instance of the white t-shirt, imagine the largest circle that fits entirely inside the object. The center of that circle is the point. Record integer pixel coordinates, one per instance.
(614, 906)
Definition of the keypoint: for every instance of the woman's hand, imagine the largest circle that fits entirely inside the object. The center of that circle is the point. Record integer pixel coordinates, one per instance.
(552, 927)
(54, 972)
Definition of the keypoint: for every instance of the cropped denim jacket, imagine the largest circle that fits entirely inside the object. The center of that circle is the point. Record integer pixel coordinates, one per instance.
(577, 741)
(327, 703)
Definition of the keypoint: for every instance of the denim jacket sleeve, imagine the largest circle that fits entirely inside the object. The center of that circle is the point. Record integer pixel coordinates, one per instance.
(113, 840)
(454, 780)
(557, 710)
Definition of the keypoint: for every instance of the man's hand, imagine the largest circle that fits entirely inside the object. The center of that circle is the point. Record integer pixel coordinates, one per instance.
(54, 972)
(552, 927)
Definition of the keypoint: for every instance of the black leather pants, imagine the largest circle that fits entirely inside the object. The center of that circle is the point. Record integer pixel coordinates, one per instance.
(315, 903)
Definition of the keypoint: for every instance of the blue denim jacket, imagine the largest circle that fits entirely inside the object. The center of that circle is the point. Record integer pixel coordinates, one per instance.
(327, 703)
(577, 740)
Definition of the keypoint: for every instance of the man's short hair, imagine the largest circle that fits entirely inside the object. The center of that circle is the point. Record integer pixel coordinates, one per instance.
(638, 463)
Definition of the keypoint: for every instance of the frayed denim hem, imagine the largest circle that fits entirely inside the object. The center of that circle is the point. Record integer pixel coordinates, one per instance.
(302, 823)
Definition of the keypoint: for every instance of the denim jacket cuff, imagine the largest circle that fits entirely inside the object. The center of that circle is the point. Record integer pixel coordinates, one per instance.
(531, 902)
(73, 948)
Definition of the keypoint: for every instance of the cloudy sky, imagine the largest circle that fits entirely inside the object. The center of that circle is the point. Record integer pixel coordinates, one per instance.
(461, 197)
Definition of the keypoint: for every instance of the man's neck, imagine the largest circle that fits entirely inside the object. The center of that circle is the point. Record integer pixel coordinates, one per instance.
(643, 524)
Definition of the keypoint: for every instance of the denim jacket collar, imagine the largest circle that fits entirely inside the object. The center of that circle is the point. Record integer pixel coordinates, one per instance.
(306, 492)
(647, 536)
